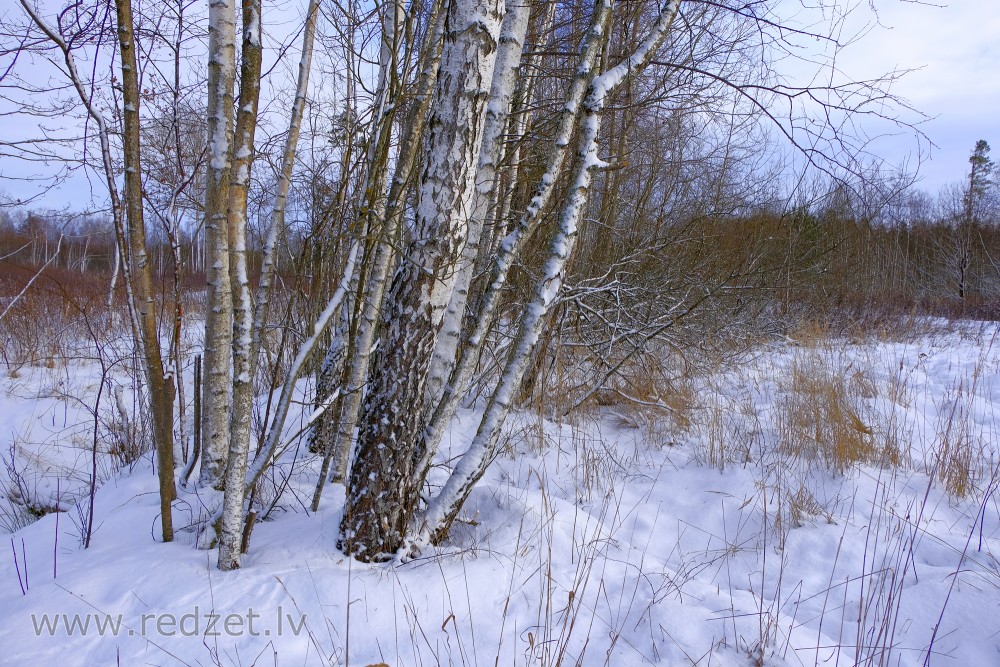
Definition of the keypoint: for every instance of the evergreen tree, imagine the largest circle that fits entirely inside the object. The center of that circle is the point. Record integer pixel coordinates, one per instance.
(980, 180)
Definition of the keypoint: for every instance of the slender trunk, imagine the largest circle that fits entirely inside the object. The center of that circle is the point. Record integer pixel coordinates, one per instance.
(514, 243)
(272, 442)
(508, 59)
(216, 401)
(161, 385)
(496, 227)
(372, 209)
(131, 242)
(266, 284)
(231, 526)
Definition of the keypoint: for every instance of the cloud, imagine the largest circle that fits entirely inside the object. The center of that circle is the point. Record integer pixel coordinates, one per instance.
(955, 52)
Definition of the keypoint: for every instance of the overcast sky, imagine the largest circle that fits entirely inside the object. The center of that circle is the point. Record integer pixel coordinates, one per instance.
(953, 48)
(957, 48)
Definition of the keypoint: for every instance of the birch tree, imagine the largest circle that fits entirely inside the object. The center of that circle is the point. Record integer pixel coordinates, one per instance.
(382, 255)
(392, 462)
(248, 325)
(377, 214)
(130, 233)
(443, 508)
(231, 526)
(382, 491)
(216, 402)
(508, 60)
(513, 245)
(473, 139)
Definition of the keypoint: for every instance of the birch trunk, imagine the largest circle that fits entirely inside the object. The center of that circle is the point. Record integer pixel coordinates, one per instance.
(372, 297)
(495, 227)
(272, 442)
(513, 245)
(382, 494)
(442, 510)
(231, 526)
(284, 178)
(217, 401)
(372, 209)
(508, 60)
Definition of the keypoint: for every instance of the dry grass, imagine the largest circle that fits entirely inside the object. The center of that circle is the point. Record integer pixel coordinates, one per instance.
(812, 403)
(961, 457)
(824, 416)
(728, 430)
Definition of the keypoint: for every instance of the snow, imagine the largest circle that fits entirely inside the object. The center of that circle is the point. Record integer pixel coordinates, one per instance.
(606, 538)
(252, 30)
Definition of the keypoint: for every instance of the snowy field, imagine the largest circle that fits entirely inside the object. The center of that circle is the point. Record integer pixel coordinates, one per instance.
(817, 502)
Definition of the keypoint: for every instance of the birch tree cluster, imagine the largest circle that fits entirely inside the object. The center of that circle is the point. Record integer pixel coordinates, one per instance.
(416, 204)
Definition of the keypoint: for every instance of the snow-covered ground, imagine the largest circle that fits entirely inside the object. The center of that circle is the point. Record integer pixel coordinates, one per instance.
(741, 530)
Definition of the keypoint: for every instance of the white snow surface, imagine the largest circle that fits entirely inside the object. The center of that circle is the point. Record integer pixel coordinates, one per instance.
(604, 539)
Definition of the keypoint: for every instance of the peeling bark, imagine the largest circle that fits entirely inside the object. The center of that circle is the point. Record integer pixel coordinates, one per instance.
(443, 508)
(231, 525)
(216, 402)
(382, 493)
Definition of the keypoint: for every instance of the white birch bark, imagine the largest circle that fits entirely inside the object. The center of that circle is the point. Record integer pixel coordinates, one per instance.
(373, 296)
(218, 320)
(508, 60)
(372, 208)
(513, 244)
(231, 525)
(272, 442)
(381, 492)
(277, 221)
(495, 228)
(443, 508)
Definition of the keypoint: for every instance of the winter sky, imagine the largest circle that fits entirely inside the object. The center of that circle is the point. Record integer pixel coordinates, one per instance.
(952, 49)
(955, 49)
